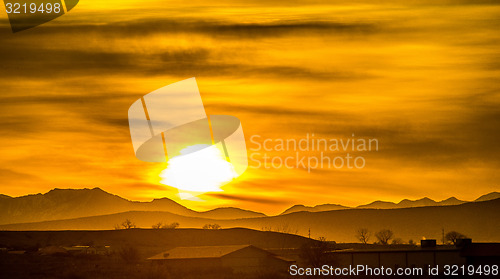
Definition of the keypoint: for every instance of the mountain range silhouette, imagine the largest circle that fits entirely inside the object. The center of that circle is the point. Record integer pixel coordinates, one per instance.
(95, 209)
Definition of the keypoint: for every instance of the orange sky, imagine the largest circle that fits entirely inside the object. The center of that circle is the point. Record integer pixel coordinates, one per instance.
(422, 78)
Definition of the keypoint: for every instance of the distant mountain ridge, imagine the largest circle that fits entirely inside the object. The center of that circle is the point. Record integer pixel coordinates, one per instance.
(406, 203)
(477, 220)
(60, 204)
(317, 208)
(489, 197)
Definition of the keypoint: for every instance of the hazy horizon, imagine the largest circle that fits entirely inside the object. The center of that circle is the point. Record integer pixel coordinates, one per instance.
(282, 210)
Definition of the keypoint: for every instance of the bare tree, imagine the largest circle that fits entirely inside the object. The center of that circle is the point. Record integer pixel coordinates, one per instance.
(363, 235)
(127, 224)
(453, 236)
(384, 236)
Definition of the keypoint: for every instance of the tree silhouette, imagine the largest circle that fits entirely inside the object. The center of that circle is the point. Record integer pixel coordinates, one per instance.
(160, 225)
(363, 235)
(211, 227)
(453, 236)
(127, 224)
(171, 226)
(396, 241)
(157, 226)
(384, 236)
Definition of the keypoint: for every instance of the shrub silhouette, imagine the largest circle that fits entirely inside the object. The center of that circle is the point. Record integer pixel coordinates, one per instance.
(160, 225)
(173, 225)
(396, 241)
(211, 227)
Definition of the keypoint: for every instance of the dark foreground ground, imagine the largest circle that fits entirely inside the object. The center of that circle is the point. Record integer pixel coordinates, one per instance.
(102, 267)
(124, 253)
(113, 267)
(34, 254)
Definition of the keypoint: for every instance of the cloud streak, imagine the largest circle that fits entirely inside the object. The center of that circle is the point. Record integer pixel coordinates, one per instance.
(422, 79)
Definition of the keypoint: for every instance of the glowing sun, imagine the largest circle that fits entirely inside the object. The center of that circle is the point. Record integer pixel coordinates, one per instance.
(199, 169)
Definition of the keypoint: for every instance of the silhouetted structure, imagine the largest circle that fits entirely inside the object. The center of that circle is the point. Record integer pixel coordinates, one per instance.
(428, 254)
(239, 258)
(481, 253)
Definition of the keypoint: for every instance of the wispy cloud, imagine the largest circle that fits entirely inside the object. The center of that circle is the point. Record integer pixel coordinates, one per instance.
(251, 199)
(420, 76)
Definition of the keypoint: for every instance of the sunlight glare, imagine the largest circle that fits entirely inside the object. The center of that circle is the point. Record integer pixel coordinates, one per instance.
(201, 168)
